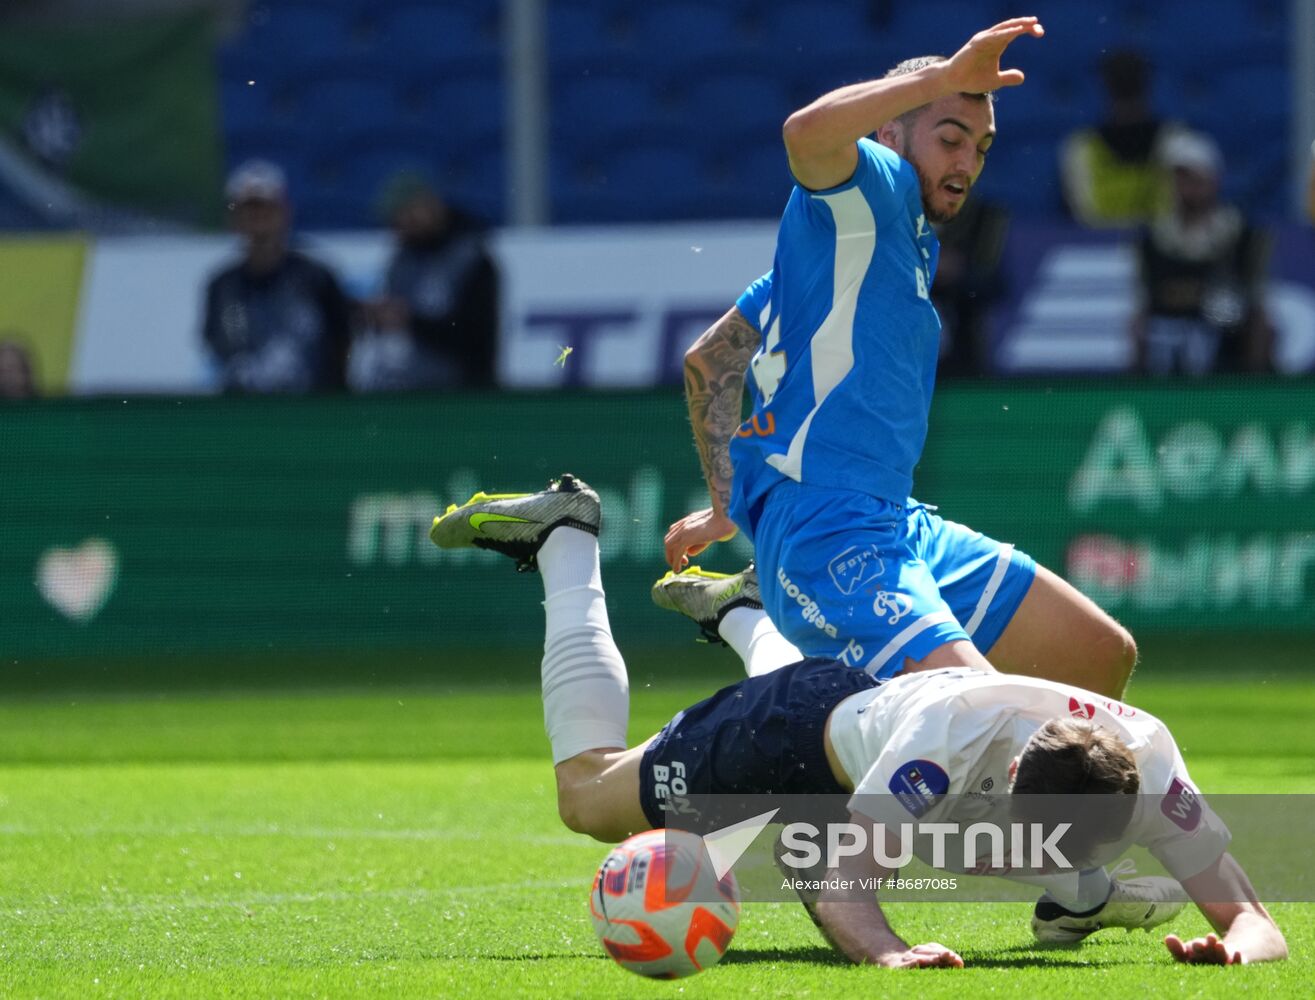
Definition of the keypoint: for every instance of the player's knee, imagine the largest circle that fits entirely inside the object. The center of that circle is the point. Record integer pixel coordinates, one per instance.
(577, 810)
(1116, 657)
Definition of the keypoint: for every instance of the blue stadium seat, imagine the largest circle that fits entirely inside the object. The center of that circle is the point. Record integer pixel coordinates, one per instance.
(943, 26)
(476, 181)
(1077, 35)
(663, 179)
(1024, 176)
(1216, 34)
(298, 32)
(597, 107)
(821, 45)
(641, 182)
(1258, 181)
(425, 34)
(1259, 94)
(357, 174)
(465, 109)
(1047, 107)
(345, 106)
(581, 30)
(676, 35)
(737, 103)
(701, 88)
(248, 104)
(750, 180)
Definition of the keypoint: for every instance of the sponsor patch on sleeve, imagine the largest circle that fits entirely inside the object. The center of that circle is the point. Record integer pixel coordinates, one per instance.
(1182, 805)
(918, 784)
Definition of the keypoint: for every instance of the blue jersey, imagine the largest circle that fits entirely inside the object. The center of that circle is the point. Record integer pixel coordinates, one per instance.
(845, 373)
(756, 302)
(754, 305)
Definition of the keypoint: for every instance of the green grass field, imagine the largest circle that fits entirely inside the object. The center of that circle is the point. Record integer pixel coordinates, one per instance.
(404, 843)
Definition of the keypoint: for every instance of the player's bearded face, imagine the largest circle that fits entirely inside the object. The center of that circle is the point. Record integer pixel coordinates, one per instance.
(936, 203)
(945, 145)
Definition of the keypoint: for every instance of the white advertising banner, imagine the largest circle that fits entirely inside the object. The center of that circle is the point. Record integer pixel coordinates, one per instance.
(626, 300)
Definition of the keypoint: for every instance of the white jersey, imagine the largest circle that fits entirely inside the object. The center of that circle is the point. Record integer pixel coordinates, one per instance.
(923, 736)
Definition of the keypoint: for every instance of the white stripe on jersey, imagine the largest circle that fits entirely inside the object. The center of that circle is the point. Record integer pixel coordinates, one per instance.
(992, 585)
(832, 346)
(917, 627)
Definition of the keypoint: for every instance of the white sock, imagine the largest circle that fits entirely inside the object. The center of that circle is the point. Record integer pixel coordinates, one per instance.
(1093, 889)
(586, 694)
(1077, 892)
(760, 645)
(568, 558)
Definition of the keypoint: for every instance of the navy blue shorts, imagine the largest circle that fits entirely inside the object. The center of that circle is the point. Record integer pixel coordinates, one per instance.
(763, 735)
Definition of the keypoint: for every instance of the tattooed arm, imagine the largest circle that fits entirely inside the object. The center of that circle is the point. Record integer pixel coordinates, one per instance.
(714, 391)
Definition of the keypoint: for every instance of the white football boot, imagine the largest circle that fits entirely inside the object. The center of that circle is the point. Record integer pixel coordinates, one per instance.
(706, 597)
(516, 524)
(1133, 903)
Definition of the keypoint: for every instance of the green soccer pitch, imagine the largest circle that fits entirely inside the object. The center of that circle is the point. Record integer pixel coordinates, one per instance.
(403, 842)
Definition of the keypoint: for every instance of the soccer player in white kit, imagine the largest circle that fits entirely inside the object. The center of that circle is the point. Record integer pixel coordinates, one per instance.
(819, 727)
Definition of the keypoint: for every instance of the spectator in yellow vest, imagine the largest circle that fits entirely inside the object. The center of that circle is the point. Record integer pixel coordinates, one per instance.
(1112, 172)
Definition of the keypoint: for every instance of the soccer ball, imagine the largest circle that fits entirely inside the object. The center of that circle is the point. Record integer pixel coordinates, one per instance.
(658, 907)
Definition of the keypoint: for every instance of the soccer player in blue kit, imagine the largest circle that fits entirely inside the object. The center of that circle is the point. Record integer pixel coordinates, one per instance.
(841, 340)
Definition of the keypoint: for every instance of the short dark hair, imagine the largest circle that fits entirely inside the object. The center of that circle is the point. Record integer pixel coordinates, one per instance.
(922, 62)
(1077, 757)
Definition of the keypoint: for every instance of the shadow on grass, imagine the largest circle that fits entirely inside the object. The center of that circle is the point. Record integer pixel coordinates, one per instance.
(1018, 957)
(815, 954)
(1041, 957)
(542, 956)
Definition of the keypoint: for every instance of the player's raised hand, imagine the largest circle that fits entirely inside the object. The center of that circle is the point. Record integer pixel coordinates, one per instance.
(924, 956)
(975, 68)
(695, 532)
(1209, 950)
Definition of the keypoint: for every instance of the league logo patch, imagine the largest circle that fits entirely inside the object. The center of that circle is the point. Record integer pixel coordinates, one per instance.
(918, 785)
(1182, 805)
(855, 567)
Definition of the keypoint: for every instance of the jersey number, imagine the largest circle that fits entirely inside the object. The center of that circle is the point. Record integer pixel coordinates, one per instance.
(769, 363)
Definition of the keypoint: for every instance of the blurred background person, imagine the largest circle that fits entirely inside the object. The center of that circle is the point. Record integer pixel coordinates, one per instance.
(1112, 173)
(969, 278)
(17, 374)
(1202, 271)
(275, 320)
(435, 325)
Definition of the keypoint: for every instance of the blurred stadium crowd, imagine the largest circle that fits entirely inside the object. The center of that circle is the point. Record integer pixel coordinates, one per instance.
(1173, 129)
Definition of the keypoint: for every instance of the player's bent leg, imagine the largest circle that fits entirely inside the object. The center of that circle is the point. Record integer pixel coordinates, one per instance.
(598, 793)
(956, 653)
(584, 684)
(1060, 634)
(728, 609)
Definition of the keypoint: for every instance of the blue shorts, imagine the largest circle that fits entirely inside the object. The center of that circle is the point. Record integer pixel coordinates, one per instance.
(870, 582)
(763, 735)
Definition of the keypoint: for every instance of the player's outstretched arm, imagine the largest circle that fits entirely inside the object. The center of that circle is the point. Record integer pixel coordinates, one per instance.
(855, 925)
(1246, 931)
(714, 392)
(820, 138)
